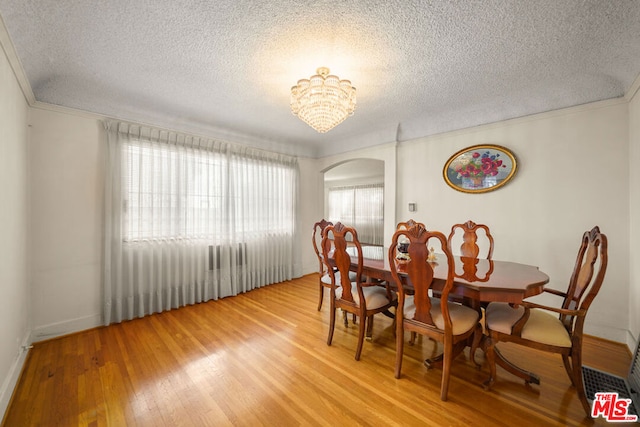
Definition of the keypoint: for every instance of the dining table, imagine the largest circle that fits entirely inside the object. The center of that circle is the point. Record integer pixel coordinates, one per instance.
(477, 282)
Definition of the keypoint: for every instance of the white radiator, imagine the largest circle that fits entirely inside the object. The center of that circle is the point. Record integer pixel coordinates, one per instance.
(237, 255)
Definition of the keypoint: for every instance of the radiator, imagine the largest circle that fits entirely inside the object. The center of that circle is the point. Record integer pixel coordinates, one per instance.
(215, 251)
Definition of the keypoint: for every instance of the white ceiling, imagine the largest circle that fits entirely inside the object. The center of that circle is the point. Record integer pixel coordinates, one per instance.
(224, 68)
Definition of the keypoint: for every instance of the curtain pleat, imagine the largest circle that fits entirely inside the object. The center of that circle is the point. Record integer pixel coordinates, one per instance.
(189, 219)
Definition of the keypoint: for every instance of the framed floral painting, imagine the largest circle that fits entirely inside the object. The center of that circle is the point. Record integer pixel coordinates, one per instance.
(480, 168)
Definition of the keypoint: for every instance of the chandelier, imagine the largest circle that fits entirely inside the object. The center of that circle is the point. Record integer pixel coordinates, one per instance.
(323, 101)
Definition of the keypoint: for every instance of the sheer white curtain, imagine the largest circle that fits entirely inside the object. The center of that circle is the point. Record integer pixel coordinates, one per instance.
(361, 207)
(189, 219)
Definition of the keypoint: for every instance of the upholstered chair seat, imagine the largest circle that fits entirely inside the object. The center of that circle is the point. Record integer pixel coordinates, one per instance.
(374, 296)
(326, 278)
(463, 318)
(541, 327)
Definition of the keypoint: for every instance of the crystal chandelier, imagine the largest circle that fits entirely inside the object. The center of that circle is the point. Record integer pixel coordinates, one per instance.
(323, 101)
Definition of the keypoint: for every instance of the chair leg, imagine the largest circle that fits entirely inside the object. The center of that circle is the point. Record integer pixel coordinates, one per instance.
(332, 323)
(321, 297)
(568, 367)
(477, 337)
(490, 355)
(412, 340)
(399, 346)
(361, 330)
(446, 369)
(394, 323)
(369, 328)
(344, 319)
(576, 379)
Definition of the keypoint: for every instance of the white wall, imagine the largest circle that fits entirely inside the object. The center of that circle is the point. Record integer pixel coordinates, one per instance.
(14, 231)
(572, 175)
(66, 219)
(634, 223)
(311, 185)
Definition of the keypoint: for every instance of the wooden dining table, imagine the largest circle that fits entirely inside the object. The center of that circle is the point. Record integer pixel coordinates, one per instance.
(479, 280)
(476, 281)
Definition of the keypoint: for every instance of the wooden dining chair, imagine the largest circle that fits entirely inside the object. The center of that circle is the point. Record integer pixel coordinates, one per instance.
(447, 322)
(463, 241)
(475, 241)
(405, 226)
(552, 329)
(324, 280)
(363, 299)
(467, 235)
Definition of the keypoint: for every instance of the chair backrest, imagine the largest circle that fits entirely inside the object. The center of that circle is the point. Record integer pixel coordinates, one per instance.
(316, 237)
(345, 245)
(586, 279)
(408, 224)
(419, 272)
(467, 233)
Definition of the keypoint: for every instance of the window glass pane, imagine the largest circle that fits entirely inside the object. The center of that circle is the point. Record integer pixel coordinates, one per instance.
(181, 193)
(361, 207)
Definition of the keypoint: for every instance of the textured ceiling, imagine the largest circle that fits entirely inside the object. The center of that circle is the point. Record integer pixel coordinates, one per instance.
(224, 68)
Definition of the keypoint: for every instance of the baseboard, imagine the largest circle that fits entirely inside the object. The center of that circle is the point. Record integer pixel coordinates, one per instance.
(9, 385)
(612, 334)
(53, 330)
(631, 341)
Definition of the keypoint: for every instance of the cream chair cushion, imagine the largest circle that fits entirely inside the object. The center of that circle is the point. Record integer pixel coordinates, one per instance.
(327, 278)
(375, 296)
(543, 326)
(463, 318)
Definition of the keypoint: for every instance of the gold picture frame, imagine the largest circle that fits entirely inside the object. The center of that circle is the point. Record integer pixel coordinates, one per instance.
(480, 168)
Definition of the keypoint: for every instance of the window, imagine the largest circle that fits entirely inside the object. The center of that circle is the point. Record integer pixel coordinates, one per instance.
(183, 193)
(361, 207)
(189, 219)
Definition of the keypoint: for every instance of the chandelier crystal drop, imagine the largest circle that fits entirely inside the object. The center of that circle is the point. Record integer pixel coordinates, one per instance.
(323, 101)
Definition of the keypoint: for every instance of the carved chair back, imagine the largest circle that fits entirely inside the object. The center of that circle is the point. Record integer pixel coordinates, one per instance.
(468, 235)
(316, 238)
(345, 245)
(419, 272)
(586, 279)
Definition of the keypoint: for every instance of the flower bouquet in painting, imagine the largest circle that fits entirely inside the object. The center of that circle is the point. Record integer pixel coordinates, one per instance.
(478, 170)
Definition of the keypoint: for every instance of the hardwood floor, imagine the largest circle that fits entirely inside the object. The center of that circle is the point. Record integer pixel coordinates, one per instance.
(261, 359)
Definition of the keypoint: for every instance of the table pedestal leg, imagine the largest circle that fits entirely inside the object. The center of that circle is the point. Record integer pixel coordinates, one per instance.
(528, 377)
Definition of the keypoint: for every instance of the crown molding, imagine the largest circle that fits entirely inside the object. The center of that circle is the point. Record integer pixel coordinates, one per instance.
(236, 139)
(523, 119)
(635, 86)
(16, 65)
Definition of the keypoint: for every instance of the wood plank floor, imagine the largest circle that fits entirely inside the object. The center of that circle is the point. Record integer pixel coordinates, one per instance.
(261, 359)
